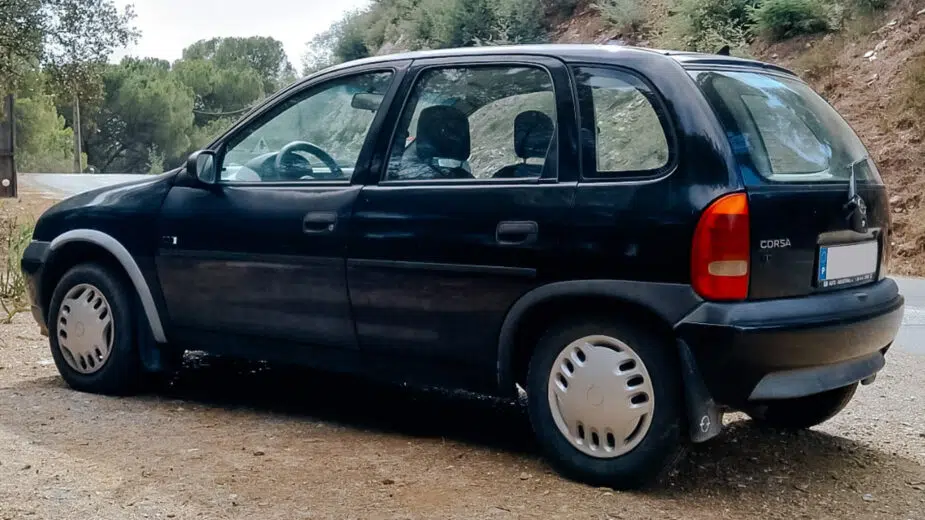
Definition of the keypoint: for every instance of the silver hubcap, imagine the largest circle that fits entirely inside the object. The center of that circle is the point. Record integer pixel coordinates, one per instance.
(601, 397)
(85, 328)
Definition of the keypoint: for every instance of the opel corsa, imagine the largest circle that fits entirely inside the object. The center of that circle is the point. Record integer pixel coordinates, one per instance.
(640, 240)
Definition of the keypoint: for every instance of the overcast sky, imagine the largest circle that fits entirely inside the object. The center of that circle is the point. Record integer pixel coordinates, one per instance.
(167, 26)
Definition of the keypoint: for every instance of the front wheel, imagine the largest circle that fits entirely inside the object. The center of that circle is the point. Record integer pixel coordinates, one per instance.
(803, 412)
(605, 402)
(92, 331)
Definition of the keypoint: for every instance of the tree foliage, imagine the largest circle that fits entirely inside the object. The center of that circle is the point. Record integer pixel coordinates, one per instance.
(261, 55)
(43, 143)
(69, 38)
(21, 39)
(219, 89)
(145, 108)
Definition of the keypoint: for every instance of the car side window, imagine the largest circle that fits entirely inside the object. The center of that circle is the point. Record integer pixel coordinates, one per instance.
(314, 135)
(623, 128)
(475, 123)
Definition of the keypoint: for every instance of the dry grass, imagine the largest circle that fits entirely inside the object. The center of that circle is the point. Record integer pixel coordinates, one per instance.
(912, 93)
(819, 64)
(14, 237)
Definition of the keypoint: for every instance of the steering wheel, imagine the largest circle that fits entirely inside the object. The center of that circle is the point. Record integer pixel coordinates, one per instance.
(304, 146)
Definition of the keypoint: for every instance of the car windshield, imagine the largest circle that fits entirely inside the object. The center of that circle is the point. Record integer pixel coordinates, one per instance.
(782, 131)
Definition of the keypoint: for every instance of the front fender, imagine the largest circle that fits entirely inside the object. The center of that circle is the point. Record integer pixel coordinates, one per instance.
(121, 254)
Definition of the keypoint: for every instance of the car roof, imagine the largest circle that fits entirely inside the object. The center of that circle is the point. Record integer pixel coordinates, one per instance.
(571, 52)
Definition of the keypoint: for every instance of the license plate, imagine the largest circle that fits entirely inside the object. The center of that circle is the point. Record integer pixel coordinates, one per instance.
(847, 264)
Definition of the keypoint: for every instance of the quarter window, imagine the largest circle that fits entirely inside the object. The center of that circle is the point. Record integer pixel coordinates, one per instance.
(316, 135)
(475, 123)
(623, 131)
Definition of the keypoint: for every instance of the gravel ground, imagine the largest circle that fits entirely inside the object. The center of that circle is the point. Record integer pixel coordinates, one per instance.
(229, 439)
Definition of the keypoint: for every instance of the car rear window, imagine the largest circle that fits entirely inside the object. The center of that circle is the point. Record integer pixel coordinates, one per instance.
(782, 131)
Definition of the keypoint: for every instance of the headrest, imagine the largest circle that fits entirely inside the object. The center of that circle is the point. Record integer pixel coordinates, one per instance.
(443, 132)
(532, 133)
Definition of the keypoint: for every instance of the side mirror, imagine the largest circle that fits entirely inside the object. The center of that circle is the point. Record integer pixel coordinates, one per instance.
(201, 166)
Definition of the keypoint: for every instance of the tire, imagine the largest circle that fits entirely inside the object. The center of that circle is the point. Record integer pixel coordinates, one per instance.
(646, 455)
(803, 412)
(117, 371)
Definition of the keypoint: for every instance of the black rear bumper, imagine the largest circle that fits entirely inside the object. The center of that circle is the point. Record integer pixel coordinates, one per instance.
(776, 349)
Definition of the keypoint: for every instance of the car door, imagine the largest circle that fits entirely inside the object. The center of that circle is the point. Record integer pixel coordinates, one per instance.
(257, 259)
(467, 212)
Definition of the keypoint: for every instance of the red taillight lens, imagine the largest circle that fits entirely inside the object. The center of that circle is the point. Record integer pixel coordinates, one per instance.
(720, 251)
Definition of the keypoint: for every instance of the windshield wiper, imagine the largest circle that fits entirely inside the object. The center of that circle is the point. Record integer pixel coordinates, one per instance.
(855, 208)
(852, 182)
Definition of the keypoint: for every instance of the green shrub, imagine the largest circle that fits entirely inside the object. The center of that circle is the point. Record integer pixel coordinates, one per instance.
(869, 6)
(459, 23)
(518, 21)
(707, 25)
(155, 161)
(779, 19)
(622, 14)
(13, 241)
(560, 7)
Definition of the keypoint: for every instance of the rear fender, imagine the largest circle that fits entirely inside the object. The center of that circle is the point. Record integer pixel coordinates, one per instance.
(669, 302)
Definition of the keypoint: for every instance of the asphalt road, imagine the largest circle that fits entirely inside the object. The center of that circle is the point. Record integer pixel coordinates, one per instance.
(911, 336)
(67, 184)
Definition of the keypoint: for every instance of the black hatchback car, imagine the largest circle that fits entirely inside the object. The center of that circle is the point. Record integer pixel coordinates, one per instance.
(638, 239)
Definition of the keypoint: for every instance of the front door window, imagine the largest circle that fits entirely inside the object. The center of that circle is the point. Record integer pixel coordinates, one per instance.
(316, 135)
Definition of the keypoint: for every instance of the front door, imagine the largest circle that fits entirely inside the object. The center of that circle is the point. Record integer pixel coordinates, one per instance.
(258, 258)
(467, 213)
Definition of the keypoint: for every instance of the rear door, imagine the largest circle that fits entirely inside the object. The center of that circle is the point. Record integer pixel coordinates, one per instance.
(819, 212)
(467, 213)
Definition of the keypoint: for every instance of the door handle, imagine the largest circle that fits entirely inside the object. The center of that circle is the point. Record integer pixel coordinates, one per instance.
(517, 232)
(318, 222)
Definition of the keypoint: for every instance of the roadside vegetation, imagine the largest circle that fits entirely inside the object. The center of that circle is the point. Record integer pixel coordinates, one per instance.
(14, 237)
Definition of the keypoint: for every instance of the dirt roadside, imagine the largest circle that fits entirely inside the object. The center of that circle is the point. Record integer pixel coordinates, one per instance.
(242, 440)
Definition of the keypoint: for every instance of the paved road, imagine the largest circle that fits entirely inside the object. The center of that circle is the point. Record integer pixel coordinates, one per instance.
(67, 184)
(911, 336)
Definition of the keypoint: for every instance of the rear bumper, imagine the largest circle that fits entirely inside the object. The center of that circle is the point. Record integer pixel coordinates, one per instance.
(784, 348)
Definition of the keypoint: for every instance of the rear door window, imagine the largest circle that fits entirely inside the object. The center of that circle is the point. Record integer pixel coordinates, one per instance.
(475, 123)
(782, 131)
(624, 132)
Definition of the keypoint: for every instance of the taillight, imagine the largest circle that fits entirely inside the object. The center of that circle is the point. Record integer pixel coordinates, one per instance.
(720, 251)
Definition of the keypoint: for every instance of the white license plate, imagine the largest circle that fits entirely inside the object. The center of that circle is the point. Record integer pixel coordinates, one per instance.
(847, 264)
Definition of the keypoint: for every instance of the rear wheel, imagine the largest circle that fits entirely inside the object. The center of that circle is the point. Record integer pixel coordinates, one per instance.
(92, 331)
(605, 403)
(803, 412)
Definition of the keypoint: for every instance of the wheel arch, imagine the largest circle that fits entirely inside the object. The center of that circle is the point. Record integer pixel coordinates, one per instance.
(659, 304)
(82, 245)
